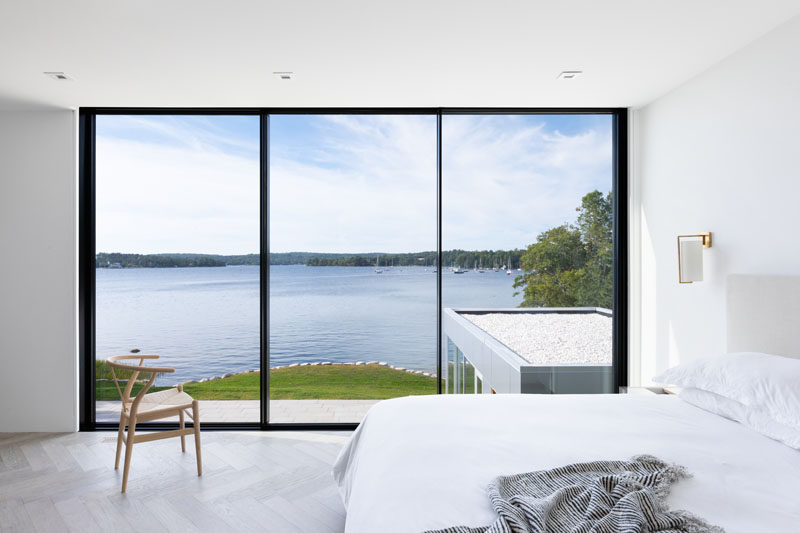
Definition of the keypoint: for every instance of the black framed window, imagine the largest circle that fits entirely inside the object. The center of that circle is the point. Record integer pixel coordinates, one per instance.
(527, 208)
(354, 320)
(177, 218)
(374, 200)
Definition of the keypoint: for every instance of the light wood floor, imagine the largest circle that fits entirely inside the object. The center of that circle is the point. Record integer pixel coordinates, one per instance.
(252, 481)
(280, 411)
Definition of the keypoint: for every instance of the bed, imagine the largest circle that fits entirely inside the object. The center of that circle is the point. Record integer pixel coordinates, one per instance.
(422, 463)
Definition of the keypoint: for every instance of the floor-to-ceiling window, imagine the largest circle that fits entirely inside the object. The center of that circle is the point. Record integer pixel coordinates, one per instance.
(352, 290)
(177, 242)
(528, 255)
(297, 267)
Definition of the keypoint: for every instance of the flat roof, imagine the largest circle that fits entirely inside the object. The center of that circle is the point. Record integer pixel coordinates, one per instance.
(551, 338)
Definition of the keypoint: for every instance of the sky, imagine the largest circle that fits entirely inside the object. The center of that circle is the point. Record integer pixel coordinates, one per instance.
(343, 183)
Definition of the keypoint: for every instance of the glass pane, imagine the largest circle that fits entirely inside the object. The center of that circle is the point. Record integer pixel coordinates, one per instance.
(352, 295)
(448, 368)
(177, 264)
(470, 381)
(527, 249)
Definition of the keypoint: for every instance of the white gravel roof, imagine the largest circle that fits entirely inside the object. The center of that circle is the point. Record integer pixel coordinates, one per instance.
(551, 338)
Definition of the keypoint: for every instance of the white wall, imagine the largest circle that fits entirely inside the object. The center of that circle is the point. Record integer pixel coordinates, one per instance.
(38, 361)
(721, 154)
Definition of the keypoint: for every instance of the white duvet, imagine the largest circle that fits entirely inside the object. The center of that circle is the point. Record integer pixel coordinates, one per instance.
(424, 462)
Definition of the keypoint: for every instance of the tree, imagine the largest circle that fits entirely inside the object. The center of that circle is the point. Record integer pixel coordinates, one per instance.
(572, 265)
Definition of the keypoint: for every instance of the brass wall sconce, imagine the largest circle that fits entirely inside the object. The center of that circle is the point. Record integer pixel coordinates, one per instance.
(690, 256)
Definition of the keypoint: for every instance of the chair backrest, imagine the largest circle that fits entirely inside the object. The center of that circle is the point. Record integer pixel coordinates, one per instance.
(125, 394)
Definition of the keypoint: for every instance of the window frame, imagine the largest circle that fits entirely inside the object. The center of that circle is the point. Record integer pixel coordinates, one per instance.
(87, 251)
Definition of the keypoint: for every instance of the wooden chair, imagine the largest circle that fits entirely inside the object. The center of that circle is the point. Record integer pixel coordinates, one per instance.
(145, 407)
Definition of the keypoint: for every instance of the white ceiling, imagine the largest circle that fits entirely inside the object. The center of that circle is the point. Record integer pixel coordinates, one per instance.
(367, 52)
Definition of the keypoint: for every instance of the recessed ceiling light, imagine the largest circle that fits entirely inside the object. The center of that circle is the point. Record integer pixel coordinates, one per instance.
(60, 76)
(284, 75)
(570, 74)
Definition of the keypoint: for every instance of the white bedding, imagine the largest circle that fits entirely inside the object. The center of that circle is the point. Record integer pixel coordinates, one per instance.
(424, 462)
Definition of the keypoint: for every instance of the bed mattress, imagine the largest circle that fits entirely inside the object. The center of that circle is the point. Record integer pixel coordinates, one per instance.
(424, 462)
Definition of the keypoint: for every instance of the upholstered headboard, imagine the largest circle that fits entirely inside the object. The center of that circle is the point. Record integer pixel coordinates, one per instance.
(764, 314)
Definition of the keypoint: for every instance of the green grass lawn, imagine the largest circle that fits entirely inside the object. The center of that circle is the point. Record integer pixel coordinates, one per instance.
(330, 382)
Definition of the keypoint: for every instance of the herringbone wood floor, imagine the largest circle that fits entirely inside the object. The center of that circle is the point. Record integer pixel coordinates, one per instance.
(252, 481)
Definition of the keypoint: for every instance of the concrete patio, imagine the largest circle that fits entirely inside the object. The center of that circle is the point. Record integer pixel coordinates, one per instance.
(281, 411)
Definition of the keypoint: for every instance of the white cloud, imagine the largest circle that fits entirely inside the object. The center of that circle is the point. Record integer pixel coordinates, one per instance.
(343, 184)
(506, 180)
(153, 198)
(369, 185)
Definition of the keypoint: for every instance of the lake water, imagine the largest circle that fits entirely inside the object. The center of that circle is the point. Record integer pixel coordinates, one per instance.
(205, 321)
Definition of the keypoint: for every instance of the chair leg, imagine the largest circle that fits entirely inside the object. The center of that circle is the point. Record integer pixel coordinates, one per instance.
(181, 417)
(196, 420)
(128, 451)
(119, 440)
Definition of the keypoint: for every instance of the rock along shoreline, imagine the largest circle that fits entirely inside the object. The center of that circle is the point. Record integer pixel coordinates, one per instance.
(315, 363)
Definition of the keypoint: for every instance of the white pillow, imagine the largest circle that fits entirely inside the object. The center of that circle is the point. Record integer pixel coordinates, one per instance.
(768, 382)
(754, 418)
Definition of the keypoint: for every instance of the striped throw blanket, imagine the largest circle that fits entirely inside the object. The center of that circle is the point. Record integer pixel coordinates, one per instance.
(596, 497)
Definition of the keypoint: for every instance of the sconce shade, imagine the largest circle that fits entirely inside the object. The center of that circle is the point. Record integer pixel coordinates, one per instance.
(691, 260)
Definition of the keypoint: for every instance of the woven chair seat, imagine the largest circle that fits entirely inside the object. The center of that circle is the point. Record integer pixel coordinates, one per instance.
(165, 399)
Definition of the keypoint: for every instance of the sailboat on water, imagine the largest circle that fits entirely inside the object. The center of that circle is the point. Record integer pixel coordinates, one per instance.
(508, 270)
(457, 269)
(378, 269)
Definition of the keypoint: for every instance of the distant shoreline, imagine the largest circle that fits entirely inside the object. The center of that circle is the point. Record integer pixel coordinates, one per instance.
(486, 259)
